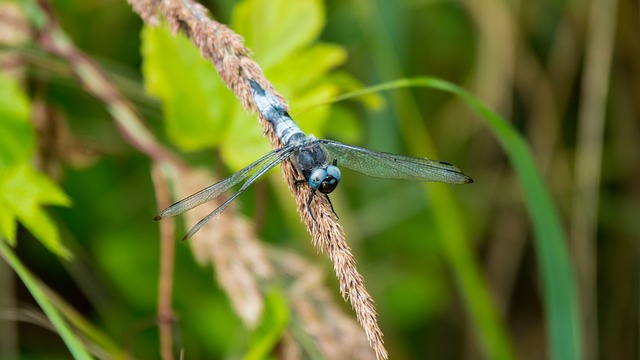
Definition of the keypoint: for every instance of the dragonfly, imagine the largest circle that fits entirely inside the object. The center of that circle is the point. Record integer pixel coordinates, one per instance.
(317, 160)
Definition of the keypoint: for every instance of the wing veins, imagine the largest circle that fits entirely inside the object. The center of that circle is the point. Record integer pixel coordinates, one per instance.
(262, 169)
(394, 166)
(213, 191)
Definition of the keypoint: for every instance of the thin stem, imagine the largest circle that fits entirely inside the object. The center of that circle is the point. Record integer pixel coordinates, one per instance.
(592, 111)
(165, 281)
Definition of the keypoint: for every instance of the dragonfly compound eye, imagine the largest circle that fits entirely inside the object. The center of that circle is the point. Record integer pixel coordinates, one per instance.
(334, 172)
(331, 180)
(317, 178)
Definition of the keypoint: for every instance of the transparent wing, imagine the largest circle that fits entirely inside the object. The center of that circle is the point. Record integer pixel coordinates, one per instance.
(267, 165)
(215, 190)
(393, 166)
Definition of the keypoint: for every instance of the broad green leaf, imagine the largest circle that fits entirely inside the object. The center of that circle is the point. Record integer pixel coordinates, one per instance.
(313, 121)
(8, 224)
(244, 142)
(306, 67)
(17, 139)
(23, 193)
(269, 332)
(343, 126)
(196, 104)
(275, 29)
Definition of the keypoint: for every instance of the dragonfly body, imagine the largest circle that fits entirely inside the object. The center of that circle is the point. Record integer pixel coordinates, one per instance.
(317, 161)
(310, 158)
(283, 125)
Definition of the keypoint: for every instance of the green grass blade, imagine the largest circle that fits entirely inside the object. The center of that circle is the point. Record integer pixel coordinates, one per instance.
(557, 275)
(558, 280)
(73, 343)
(95, 337)
(449, 223)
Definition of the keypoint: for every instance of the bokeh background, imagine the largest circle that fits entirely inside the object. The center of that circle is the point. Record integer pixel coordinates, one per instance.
(565, 74)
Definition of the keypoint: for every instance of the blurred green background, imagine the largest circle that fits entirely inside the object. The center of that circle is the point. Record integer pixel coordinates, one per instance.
(565, 74)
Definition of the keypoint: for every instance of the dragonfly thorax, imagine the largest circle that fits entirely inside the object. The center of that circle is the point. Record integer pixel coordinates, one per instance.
(313, 161)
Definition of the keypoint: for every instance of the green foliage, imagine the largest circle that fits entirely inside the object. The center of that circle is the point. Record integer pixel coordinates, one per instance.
(33, 12)
(426, 252)
(196, 104)
(72, 341)
(558, 279)
(274, 30)
(23, 191)
(557, 275)
(267, 335)
(17, 136)
(23, 194)
(201, 113)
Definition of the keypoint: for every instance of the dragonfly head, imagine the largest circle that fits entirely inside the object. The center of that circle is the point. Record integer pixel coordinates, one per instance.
(325, 178)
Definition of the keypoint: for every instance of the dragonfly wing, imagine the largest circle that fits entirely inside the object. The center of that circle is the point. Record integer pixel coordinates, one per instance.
(265, 166)
(211, 192)
(393, 166)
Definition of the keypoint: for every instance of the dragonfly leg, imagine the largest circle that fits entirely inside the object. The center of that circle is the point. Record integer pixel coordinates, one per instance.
(313, 192)
(330, 204)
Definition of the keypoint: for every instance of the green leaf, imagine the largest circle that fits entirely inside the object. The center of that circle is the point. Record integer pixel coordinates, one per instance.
(306, 67)
(244, 141)
(23, 193)
(344, 126)
(313, 121)
(196, 104)
(73, 342)
(269, 332)
(8, 225)
(275, 29)
(17, 138)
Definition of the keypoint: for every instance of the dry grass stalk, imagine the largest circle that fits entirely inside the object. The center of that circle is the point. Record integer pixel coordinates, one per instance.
(289, 348)
(229, 244)
(340, 338)
(165, 281)
(226, 51)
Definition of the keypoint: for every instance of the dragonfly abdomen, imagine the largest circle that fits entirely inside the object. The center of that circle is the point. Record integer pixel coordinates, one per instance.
(286, 130)
(272, 110)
